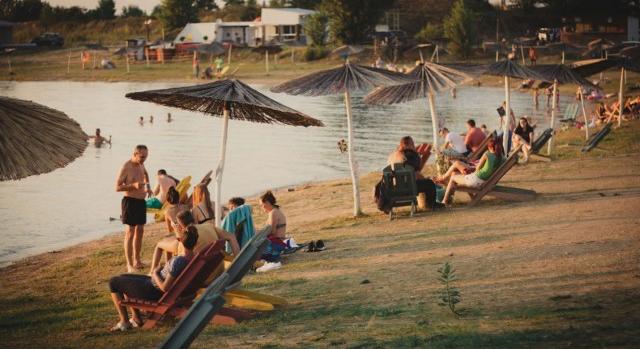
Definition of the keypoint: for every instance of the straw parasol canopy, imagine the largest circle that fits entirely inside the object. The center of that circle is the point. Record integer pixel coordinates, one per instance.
(347, 50)
(563, 74)
(35, 139)
(510, 69)
(430, 78)
(232, 99)
(344, 79)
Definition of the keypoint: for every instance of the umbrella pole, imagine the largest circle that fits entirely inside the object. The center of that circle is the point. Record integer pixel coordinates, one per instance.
(434, 120)
(553, 114)
(352, 163)
(266, 61)
(584, 114)
(620, 95)
(229, 59)
(522, 54)
(507, 114)
(220, 168)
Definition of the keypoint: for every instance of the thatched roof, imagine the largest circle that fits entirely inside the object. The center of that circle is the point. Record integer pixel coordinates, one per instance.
(429, 76)
(347, 50)
(512, 69)
(348, 77)
(35, 139)
(563, 74)
(244, 102)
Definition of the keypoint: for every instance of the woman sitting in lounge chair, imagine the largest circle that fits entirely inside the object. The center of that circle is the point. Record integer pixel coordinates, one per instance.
(202, 209)
(151, 287)
(408, 154)
(523, 134)
(487, 165)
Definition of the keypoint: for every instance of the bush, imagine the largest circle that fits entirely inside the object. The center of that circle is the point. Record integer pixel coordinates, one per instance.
(315, 52)
(430, 32)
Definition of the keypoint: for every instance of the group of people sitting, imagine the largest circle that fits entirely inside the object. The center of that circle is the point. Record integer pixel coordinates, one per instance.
(189, 222)
(605, 113)
(461, 169)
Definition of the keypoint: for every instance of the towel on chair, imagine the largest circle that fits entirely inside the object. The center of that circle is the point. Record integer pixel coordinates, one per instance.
(240, 215)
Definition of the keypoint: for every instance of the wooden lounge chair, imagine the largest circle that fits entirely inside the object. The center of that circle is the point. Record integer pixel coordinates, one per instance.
(399, 186)
(182, 188)
(212, 299)
(538, 143)
(570, 113)
(184, 289)
(491, 188)
(596, 138)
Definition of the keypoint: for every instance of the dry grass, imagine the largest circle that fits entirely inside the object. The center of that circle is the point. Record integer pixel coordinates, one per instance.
(559, 271)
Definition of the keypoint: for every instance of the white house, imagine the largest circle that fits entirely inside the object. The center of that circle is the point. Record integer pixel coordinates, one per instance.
(282, 25)
(239, 33)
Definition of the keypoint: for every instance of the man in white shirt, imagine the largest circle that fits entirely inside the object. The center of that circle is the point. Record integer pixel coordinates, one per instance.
(454, 146)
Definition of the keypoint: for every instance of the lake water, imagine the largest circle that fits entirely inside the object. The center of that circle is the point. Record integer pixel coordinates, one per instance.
(74, 204)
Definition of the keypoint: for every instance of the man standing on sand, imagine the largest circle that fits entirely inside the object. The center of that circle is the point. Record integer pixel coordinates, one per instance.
(133, 180)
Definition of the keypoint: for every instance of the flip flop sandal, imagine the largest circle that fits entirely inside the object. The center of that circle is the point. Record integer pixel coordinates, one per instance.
(320, 246)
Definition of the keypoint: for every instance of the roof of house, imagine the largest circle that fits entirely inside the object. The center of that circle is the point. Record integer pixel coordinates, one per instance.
(195, 32)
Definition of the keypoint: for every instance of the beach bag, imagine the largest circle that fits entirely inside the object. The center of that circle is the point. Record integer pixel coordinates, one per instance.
(153, 203)
(380, 198)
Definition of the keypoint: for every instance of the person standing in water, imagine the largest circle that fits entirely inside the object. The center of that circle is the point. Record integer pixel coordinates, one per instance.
(133, 180)
(169, 117)
(98, 140)
(141, 120)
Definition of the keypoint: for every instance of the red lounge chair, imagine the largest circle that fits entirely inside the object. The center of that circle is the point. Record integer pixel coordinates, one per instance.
(179, 297)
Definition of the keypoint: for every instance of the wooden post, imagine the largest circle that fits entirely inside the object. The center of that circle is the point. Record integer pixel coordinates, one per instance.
(82, 59)
(293, 52)
(434, 119)
(266, 61)
(127, 62)
(522, 54)
(507, 114)
(562, 56)
(229, 59)
(146, 54)
(553, 114)
(620, 95)
(357, 211)
(69, 64)
(584, 114)
(220, 168)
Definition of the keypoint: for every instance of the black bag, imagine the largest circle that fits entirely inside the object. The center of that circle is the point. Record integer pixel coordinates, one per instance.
(382, 202)
(501, 111)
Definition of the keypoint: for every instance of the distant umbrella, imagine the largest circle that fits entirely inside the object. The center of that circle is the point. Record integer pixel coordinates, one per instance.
(35, 139)
(563, 74)
(510, 69)
(344, 79)
(430, 78)
(232, 99)
(347, 50)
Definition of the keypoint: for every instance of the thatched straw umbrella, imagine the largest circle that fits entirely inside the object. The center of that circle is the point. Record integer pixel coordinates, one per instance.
(430, 78)
(232, 99)
(510, 69)
(562, 74)
(35, 139)
(344, 79)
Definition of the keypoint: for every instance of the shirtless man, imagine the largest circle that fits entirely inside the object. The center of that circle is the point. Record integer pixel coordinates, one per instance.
(133, 180)
(98, 139)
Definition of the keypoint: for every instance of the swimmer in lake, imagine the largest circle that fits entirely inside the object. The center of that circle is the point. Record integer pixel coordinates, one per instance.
(98, 140)
(141, 120)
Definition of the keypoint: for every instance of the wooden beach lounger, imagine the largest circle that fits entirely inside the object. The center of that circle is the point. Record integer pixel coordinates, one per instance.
(211, 300)
(491, 188)
(570, 113)
(596, 138)
(473, 156)
(180, 295)
(538, 143)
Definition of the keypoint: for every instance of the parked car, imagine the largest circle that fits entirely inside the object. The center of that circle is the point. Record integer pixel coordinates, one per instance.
(48, 39)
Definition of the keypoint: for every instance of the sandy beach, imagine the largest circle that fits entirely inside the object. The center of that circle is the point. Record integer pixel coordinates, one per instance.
(558, 271)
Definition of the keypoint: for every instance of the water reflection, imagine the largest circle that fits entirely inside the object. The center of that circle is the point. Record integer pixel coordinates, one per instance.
(75, 203)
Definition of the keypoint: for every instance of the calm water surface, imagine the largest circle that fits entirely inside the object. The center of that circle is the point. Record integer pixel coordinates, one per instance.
(74, 204)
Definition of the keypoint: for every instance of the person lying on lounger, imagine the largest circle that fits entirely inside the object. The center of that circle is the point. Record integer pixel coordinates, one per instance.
(151, 287)
(489, 162)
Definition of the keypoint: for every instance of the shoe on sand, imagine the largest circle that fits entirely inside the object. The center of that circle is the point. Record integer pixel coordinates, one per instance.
(120, 327)
(320, 246)
(269, 266)
(312, 247)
